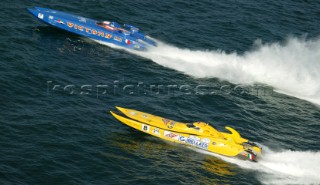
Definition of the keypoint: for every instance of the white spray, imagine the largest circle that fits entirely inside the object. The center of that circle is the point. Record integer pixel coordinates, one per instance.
(292, 68)
(283, 167)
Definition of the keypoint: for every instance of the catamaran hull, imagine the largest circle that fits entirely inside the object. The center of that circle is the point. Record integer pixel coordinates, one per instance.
(214, 145)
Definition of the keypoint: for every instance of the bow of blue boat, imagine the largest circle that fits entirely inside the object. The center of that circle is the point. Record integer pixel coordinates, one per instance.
(127, 36)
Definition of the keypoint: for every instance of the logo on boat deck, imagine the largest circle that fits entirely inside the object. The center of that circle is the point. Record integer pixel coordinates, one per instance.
(165, 121)
(59, 21)
(144, 116)
(156, 131)
(133, 113)
(145, 128)
(50, 17)
(171, 135)
(89, 30)
(117, 39)
(40, 15)
(195, 141)
(171, 124)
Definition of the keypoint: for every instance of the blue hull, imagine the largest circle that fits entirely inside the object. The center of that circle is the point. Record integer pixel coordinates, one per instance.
(110, 32)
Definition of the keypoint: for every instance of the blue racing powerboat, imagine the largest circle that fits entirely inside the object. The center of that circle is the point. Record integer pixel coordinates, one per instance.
(126, 36)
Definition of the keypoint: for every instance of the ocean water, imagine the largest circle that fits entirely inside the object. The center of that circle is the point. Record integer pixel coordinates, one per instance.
(251, 65)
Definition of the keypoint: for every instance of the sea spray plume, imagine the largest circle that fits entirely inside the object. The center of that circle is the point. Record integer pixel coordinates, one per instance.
(281, 167)
(292, 67)
(292, 167)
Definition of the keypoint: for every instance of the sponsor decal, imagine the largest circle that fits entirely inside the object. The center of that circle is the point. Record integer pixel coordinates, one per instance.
(165, 121)
(80, 28)
(128, 41)
(108, 36)
(195, 141)
(171, 135)
(133, 113)
(182, 139)
(117, 39)
(100, 33)
(50, 17)
(59, 21)
(90, 31)
(40, 15)
(171, 124)
(144, 116)
(145, 128)
(156, 131)
(70, 24)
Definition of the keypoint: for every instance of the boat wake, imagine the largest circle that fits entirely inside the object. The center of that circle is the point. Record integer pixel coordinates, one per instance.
(282, 167)
(292, 67)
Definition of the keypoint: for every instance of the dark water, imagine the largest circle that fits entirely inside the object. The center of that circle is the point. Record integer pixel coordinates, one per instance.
(57, 89)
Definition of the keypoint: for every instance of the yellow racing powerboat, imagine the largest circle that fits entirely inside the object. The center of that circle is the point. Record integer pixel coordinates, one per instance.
(198, 134)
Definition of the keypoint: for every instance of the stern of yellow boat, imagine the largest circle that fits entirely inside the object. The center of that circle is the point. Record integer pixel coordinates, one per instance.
(251, 151)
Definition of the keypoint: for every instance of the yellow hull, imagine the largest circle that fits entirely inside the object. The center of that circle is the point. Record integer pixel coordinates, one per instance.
(199, 135)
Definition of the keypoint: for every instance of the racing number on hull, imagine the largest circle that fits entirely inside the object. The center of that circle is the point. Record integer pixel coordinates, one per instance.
(145, 128)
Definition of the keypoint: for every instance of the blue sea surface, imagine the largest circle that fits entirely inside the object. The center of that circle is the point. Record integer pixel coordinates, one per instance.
(251, 65)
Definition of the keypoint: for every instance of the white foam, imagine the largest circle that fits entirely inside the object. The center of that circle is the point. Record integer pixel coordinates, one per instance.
(292, 68)
(283, 167)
